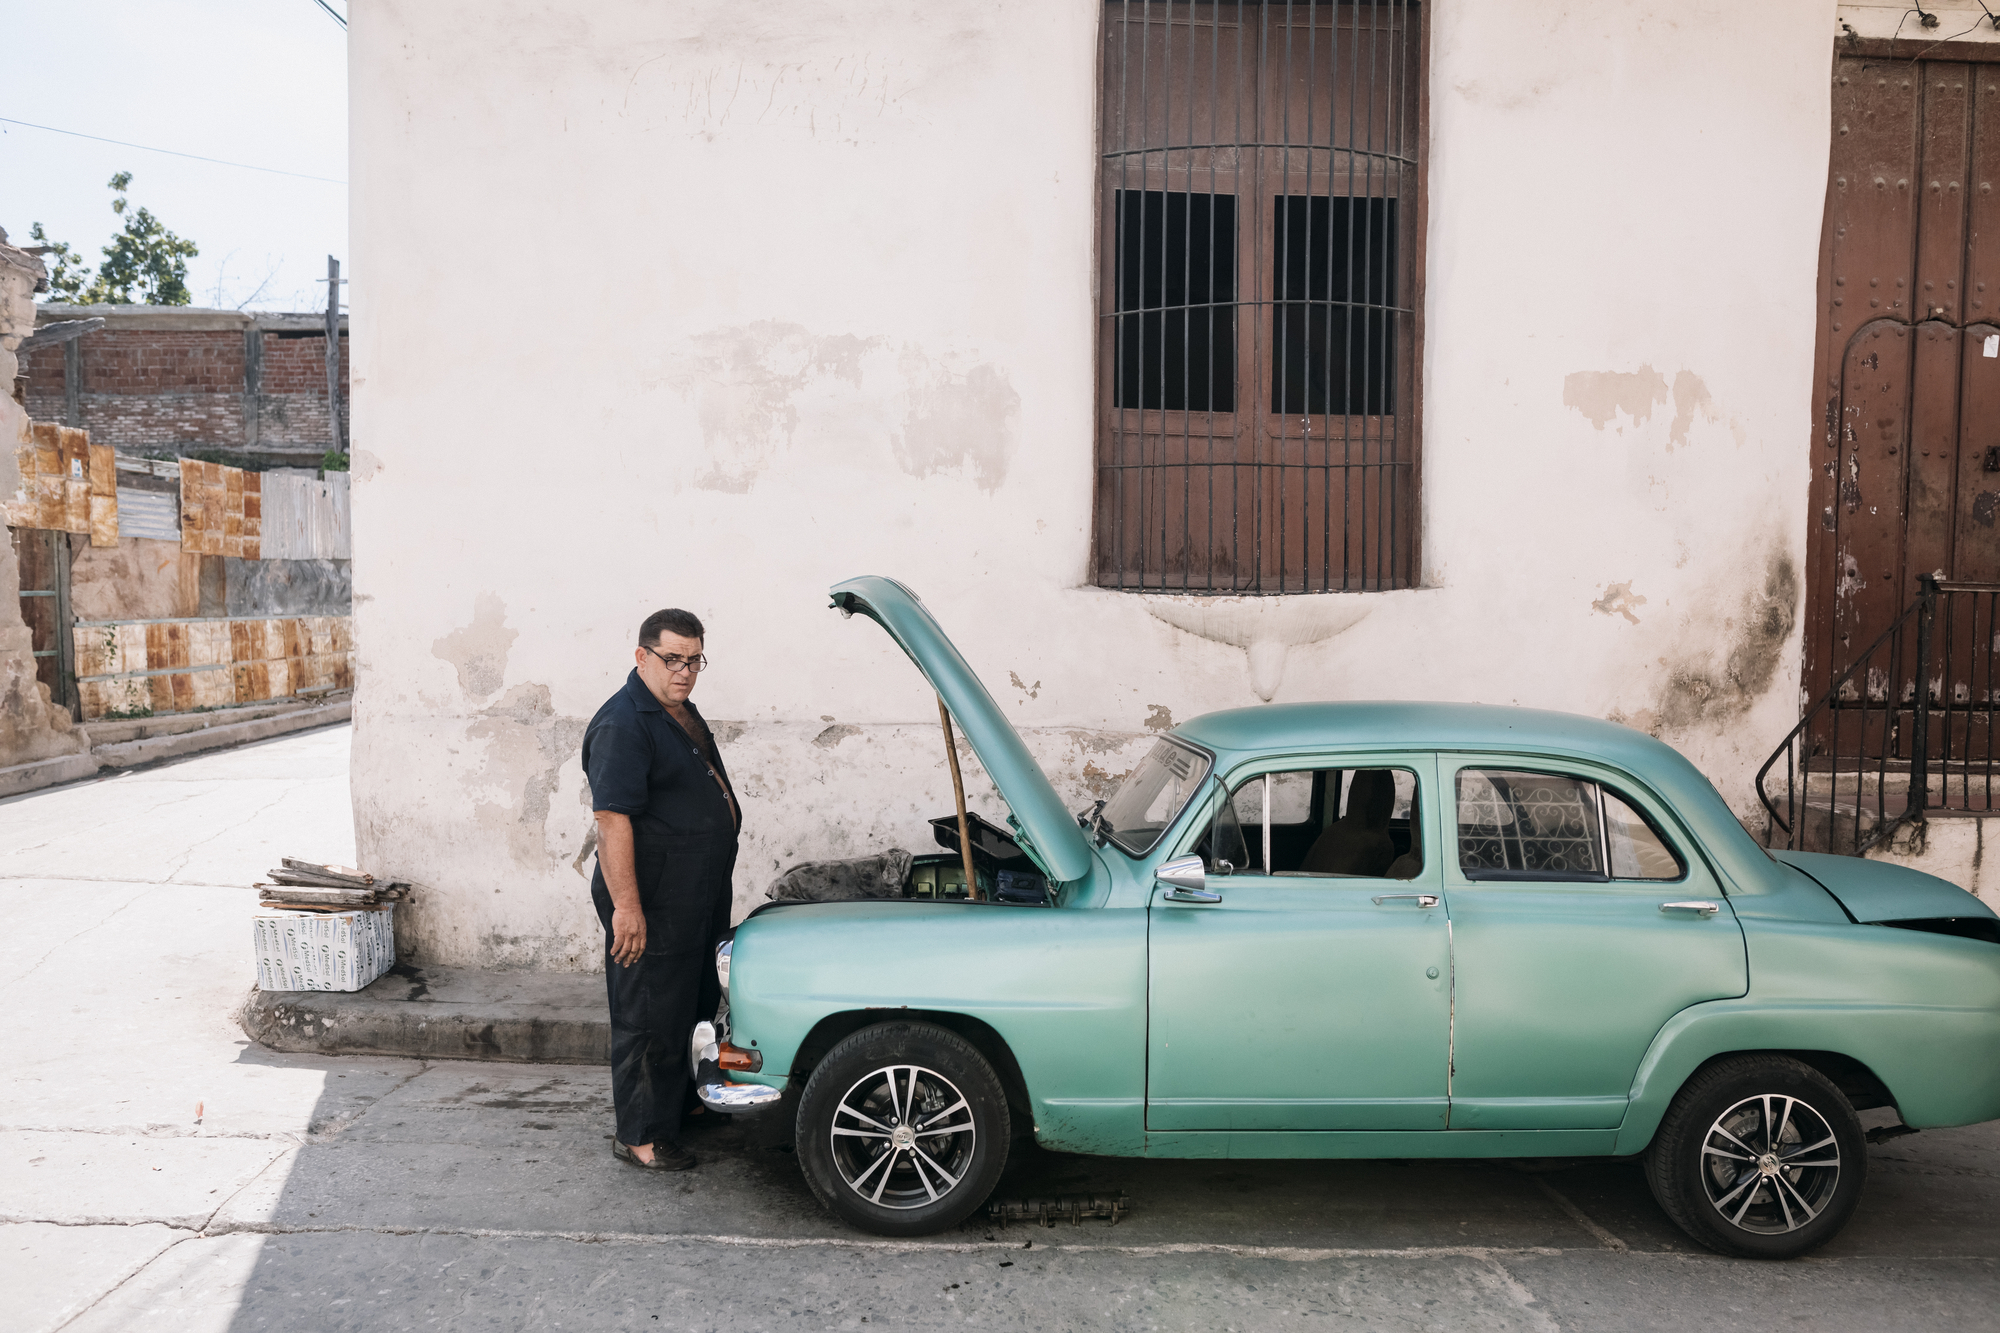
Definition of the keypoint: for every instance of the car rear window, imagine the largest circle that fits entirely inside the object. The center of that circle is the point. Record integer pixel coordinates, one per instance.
(1515, 825)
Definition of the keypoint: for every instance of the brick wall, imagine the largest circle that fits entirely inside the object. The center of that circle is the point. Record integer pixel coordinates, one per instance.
(145, 387)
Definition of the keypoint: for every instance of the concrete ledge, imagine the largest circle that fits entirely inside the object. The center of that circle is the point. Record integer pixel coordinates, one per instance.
(117, 730)
(221, 735)
(443, 1013)
(46, 773)
(206, 731)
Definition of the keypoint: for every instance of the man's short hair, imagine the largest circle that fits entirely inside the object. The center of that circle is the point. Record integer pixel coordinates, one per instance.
(673, 620)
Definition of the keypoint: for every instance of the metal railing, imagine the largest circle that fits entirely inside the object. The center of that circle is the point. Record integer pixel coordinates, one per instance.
(1907, 730)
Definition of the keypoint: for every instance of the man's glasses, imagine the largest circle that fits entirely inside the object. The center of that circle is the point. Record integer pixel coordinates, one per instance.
(676, 665)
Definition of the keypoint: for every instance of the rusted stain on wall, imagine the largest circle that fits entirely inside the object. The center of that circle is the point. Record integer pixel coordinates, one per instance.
(957, 421)
(1619, 600)
(221, 510)
(175, 666)
(64, 483)
(479, 650)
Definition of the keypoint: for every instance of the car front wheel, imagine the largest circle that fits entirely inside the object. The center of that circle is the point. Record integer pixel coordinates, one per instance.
(1759, 1156)
(903, 1129)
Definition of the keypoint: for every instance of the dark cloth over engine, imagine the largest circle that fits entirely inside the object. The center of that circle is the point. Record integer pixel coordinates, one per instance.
(853, 880)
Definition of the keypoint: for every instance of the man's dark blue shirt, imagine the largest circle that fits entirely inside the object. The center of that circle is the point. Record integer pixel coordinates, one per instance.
(641, 764)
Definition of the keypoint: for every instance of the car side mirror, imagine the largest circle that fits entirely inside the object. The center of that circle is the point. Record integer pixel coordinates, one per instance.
(1186, 881)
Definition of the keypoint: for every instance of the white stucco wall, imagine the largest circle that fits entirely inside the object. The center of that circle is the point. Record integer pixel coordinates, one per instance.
(713, 305)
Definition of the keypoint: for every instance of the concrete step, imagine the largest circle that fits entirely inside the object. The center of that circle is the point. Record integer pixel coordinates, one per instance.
(443, 1013)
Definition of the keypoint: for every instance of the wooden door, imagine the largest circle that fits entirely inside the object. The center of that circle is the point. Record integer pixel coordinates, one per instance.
(1906, 451)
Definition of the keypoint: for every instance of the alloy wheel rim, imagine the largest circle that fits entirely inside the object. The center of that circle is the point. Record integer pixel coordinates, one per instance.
(902, 1137)
(1770, 1164)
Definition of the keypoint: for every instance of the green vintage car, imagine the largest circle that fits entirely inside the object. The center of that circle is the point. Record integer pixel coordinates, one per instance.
(1365, 930)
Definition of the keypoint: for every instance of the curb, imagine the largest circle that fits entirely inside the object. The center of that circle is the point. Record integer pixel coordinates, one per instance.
(46, 773)
(437, 1013)
(23, 778)
(127, 754)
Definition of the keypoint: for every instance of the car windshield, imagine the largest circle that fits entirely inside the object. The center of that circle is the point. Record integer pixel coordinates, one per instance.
(1152, 796)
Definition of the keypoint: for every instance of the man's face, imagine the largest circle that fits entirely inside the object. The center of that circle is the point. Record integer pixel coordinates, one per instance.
(668, 686)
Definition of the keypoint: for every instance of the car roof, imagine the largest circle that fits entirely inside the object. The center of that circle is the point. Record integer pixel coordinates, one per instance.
(1423, 726)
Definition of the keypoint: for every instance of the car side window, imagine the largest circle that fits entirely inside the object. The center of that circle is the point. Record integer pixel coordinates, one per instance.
(1515, 825)
(1324, 823)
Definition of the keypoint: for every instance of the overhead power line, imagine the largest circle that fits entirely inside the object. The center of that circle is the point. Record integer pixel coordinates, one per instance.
(196, 157)
(332, 13)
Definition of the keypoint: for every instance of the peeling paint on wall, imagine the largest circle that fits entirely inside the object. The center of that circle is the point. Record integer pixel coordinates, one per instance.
(1619, 600)
(527, 743)
(745, 380)
(1605, 395)
(479, 650)
(1159, 717)
(1690, 396)
(957, 421)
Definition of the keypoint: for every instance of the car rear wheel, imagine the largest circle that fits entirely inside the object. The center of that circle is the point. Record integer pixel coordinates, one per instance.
(1759, 1156)
(903, 1129)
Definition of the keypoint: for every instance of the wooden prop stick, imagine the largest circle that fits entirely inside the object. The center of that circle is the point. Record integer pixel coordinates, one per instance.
(958, 790)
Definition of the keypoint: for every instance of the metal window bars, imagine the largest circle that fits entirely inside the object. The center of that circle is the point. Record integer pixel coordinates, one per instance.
(1906, 731)
(1262, 202)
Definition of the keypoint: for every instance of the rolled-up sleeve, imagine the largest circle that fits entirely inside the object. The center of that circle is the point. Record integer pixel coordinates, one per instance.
(616, 760)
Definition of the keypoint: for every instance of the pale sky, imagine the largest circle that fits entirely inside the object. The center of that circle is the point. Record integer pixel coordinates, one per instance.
(262, 82)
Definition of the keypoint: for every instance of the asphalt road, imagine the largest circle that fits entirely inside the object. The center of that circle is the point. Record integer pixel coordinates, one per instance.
(159, 1172)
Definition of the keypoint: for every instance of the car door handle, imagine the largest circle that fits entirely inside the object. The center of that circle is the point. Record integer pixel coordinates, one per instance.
(1420, 899)
(1699, 909)
(1191, 896)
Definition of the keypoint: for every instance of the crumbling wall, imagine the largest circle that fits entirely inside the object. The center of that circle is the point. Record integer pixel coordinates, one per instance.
(1614, 448)
(31, 727)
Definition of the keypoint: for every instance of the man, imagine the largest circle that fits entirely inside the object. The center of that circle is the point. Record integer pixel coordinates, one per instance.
(667, 823)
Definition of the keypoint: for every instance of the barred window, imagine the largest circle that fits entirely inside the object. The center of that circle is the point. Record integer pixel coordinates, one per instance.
(1262, 228)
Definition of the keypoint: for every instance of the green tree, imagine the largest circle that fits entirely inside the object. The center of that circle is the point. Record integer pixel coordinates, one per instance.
(145, 264)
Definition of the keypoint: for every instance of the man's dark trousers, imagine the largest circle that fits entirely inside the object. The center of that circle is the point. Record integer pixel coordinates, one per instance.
(684, 891)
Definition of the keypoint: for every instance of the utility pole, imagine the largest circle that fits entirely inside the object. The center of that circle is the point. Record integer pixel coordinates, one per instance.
(334, 432)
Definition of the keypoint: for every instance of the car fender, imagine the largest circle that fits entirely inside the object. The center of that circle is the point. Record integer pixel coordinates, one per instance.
(1940, 1063)
(1063, 989)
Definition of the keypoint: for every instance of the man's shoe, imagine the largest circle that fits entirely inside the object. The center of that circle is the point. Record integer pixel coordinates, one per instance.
(666, 1157)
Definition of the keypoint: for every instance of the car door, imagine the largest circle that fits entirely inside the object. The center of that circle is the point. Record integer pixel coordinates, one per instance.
(1307, 999)
(1581, 922)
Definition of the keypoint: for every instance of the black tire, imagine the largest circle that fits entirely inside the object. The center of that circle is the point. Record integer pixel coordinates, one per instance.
(1722, 1174)
(944, 1156)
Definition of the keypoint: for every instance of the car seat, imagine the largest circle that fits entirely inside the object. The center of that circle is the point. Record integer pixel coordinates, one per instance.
(1358, 842)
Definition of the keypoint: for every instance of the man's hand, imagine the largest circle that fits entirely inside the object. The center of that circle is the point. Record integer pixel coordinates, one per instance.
(615, 859)
(628, 935)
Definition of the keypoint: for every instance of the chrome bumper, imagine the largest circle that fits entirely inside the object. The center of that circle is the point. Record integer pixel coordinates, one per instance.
(735, 1098)
(716, 1092)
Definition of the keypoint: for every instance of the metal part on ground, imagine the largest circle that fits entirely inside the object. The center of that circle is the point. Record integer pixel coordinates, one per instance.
(1074, 1207)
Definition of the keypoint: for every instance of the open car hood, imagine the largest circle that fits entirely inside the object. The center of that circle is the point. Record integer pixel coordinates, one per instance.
(1046, 831)
(1880, 891)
